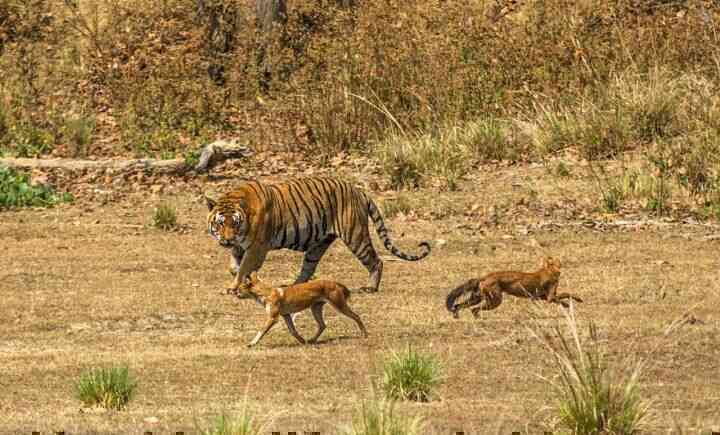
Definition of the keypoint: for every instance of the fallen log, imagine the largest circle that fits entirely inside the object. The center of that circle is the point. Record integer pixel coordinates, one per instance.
(211, 155)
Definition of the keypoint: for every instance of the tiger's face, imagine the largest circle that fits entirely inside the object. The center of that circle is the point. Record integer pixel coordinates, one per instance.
(227, 223)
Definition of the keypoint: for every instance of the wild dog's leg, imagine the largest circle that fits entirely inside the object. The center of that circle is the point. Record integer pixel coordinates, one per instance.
(251, 262)
(291, 327)
(269, 324)
(312, 258)
(317, 311)
(552, 289)
(343, 307)
(236, 256)
(559, 299)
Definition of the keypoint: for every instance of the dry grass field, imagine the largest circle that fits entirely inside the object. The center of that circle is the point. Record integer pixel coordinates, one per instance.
(85, 285)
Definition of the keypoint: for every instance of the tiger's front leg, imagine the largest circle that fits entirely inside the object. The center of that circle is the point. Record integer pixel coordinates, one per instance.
(236, 256)
(251, 262)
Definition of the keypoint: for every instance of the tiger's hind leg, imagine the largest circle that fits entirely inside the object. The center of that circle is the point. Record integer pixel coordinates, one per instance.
(312, 257)
(365, 252)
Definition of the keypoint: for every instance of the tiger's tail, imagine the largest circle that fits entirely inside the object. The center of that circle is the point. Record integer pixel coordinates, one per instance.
(383, 234)
(456, 293)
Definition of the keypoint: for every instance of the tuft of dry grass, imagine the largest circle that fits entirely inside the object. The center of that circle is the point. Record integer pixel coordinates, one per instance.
(410, 375)
(110, 388)
(165, 217)
(379, 417)
(592, 398)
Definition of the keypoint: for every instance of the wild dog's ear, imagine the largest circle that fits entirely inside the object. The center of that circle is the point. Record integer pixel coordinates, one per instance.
(253, 278)
(551, 262)
(210, 202)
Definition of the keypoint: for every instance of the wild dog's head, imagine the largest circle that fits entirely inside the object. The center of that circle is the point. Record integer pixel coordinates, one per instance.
(552, 264)
(252, 286)
(227, 220)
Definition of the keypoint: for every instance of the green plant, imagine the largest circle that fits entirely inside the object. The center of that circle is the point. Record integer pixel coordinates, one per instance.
(78, 133)
(591, 398)
(110, 388)
(30, 140)
(410, 375)
(378, 417)
(612, 199)
(16, 190)
(165, 217)
(192, 158)
(562, 170)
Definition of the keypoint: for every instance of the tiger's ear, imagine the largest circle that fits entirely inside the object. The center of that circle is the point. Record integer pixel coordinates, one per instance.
(210, 202)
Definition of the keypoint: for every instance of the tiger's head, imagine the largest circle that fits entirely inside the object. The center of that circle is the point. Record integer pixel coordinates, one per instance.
(227, 221)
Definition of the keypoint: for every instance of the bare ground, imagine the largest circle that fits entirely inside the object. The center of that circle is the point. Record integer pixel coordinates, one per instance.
(88, 285)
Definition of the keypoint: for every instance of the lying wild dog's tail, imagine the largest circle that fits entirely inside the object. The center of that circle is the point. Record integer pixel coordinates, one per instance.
(459, 291)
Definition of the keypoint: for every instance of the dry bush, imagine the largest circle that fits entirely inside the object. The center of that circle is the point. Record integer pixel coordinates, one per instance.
(158, 77)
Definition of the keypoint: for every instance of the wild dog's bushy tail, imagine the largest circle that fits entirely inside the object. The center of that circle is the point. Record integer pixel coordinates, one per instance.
(456, 293)
(382, 233)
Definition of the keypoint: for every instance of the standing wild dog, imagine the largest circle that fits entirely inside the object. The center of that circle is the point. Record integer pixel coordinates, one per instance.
(285, 301)
(486, 291)
(305, 215)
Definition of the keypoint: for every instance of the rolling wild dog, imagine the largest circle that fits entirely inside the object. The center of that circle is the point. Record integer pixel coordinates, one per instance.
(486, 292)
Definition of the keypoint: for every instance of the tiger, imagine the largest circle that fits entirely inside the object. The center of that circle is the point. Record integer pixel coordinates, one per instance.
(302, 214)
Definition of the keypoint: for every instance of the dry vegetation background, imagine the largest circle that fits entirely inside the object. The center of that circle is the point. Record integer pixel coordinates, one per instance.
(588, 129)
(429, 88)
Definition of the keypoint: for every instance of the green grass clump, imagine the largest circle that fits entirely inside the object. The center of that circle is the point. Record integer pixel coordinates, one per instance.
(16, 190)
(378, 417)
(243, 424)
(591, 398)
(165, 217)
(110, 388)
(410, 375)
(394, 206)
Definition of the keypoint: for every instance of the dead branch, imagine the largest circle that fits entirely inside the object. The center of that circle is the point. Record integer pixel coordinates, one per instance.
(211, 155)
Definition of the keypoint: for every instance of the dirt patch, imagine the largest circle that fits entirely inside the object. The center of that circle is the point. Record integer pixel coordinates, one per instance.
(85, 285)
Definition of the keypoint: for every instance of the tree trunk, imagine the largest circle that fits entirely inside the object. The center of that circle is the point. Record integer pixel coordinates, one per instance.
(220, 18)
(271, 16)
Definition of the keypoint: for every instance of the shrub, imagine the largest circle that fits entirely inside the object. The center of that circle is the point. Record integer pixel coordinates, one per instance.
(16, 190)
(165, 217)
(110, 388)
(409, 375)
(78, 133)
(592, 398)
(378, 417)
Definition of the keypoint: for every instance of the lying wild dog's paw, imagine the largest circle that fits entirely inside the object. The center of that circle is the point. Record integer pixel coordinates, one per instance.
(456, 314)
